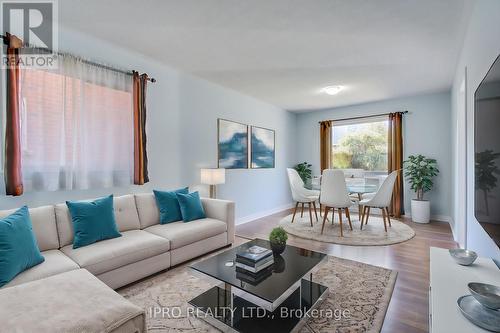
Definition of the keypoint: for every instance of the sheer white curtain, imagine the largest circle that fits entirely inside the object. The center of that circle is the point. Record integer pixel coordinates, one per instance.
(77, 127)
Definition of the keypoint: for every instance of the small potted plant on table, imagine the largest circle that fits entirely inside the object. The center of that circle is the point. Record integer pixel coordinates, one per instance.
(419, 170)
(278, 238)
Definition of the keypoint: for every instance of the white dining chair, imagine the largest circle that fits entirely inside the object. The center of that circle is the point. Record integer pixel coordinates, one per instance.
(302, 195)
(381, 200)
(334, 196)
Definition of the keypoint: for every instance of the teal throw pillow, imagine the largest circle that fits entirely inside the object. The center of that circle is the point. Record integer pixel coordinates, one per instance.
(169, 205)
(18, 247)
(93, 221)
(191, 207)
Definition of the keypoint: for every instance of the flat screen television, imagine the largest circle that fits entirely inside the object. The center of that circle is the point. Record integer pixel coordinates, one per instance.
(487, 152)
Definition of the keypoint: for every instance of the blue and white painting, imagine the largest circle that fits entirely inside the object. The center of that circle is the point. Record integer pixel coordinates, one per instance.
(233, 145)
(262, 149)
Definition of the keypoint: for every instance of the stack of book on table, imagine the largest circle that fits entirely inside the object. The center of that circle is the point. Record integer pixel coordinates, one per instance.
(254, 264)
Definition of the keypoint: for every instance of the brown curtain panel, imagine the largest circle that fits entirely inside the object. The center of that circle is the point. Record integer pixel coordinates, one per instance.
(325, 144)
(140, 154)
(13, 174)
(395, 161)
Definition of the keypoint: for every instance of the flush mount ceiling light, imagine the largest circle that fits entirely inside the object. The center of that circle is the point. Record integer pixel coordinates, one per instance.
(332, 90)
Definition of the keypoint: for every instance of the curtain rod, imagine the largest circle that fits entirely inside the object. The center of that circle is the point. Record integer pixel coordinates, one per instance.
(362, 117)
(152, 79)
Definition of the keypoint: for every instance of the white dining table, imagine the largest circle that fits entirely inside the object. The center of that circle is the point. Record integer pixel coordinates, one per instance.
(358, 189)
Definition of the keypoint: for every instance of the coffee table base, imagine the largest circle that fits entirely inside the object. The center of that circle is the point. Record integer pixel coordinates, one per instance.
(231, 313)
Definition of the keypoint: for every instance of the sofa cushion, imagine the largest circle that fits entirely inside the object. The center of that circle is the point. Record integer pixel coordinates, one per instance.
(181, 234)
(133, 246)
(126, 213)
(149, 213)
(18, 248)
(74, 301)
(191, 207)
(125, 216)
(55, 262)
(167, 202)
(43, 220)
(93, 221)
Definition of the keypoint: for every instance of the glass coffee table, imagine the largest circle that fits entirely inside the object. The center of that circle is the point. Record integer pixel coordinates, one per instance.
(277, 303)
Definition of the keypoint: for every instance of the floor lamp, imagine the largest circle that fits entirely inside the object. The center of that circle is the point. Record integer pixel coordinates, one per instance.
(213, 177)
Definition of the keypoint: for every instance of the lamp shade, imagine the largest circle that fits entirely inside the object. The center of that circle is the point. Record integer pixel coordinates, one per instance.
(213, 176)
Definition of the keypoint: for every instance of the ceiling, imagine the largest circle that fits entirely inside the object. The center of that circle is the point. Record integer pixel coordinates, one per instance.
(284, 51)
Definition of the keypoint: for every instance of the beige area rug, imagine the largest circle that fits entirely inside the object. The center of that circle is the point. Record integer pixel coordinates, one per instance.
(372, 234)
(363, 290)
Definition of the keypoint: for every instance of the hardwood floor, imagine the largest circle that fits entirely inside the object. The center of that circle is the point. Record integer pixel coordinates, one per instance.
(409, 307)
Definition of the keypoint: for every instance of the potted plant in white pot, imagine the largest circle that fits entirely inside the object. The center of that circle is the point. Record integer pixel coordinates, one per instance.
(419, 170)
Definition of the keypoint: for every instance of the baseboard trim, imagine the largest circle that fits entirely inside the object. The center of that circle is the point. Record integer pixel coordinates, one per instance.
(453, 231)
(442, 218)
(252, 217)
(439, 218)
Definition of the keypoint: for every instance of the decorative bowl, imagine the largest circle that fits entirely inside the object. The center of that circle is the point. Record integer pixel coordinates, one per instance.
(479, 315)
(463, 257)
(486, 294)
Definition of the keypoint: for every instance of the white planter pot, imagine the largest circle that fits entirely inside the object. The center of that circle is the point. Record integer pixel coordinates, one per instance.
(420, 211)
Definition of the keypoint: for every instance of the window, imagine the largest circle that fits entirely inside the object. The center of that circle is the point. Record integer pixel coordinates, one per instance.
(360, 146)
(76, 127)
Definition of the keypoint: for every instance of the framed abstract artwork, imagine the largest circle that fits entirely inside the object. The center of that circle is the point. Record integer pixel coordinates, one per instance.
(262, 148)
(232, 144)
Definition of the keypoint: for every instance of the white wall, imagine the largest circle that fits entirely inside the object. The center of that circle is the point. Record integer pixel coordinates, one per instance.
(253, 190)
(426, 130)
(181, 127)
(480, 48)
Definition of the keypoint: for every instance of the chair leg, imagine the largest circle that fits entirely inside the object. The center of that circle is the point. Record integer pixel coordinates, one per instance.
(367, 215)
(348, 214)
(363, 217)
(302, 211)
(383, 217)
(340, 221)
(310, 214)
(324, 219)
(321, 212)
(295, 211)
(315, 211)
(388, 217)
(333, 215)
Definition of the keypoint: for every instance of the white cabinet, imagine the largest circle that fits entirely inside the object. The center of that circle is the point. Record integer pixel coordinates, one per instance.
(448, 281)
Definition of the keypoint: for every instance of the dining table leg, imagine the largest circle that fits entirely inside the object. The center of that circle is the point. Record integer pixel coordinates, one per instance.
(340, 221)
(360, 196)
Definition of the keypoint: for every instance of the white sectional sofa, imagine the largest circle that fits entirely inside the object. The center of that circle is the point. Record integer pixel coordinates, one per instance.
(146, 247)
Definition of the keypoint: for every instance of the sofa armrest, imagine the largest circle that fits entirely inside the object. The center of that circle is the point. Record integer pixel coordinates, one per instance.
(221, 210)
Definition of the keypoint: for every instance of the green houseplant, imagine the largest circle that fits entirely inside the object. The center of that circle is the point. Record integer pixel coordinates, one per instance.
(278, 238)
(304, 170)
(419, 171)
